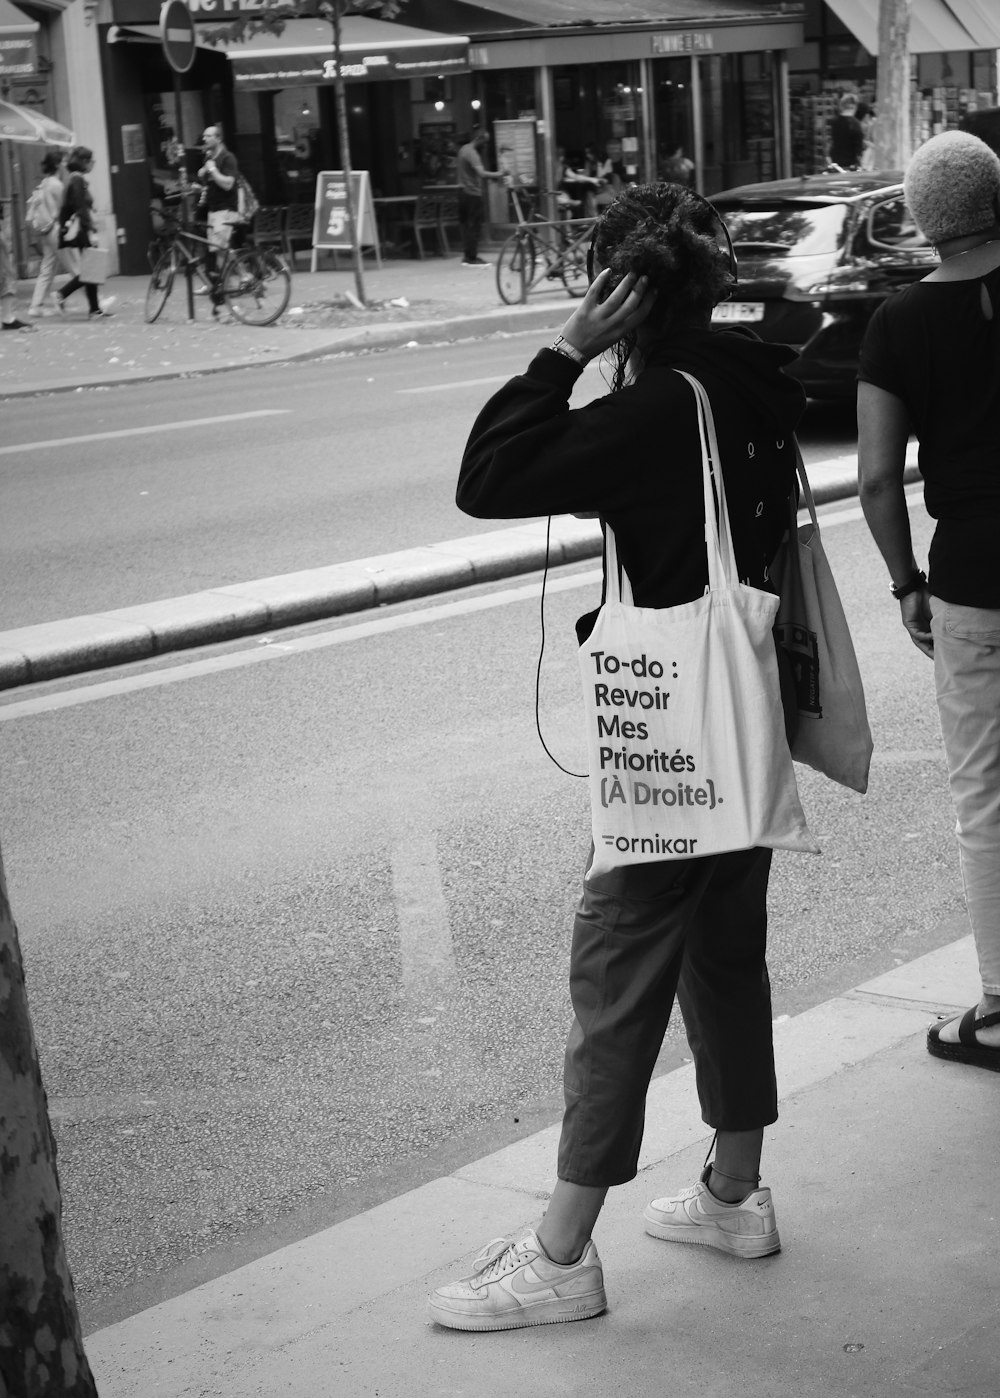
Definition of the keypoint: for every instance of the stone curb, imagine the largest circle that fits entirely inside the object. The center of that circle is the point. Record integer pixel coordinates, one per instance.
(392, 335)
(30, 654)
(50, 650)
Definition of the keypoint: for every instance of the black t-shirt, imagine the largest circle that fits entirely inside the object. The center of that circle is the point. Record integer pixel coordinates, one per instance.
(218, 199)
(932, 347)
(847, 140)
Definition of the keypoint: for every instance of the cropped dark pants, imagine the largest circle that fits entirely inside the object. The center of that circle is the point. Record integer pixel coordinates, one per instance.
(691, 928)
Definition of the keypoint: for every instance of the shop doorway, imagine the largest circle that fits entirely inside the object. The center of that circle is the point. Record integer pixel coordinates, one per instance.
(674, 117)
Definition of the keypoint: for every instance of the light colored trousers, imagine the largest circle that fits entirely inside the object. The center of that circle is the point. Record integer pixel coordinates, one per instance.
(967, 677)
(52, 263)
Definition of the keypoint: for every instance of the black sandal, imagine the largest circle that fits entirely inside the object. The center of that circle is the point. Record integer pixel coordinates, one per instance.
(968, 1049)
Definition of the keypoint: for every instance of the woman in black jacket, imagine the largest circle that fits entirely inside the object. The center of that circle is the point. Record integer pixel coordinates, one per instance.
(694, 927)
(77, 229)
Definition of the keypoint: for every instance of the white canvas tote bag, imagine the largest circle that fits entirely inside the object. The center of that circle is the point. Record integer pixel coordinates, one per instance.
(686, 746)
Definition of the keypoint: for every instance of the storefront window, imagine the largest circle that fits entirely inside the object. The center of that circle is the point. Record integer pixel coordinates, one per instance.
(672, 111)
(296, 138)
(598, 130)
(506, 95)
(738, 120)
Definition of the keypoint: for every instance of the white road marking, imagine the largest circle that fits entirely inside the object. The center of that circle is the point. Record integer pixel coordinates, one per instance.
(140, 431)
(474, 383)
(461, 383)
(266, 650)
(425, 945)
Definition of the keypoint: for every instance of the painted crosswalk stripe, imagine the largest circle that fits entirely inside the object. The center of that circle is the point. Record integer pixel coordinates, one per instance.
(11, 450)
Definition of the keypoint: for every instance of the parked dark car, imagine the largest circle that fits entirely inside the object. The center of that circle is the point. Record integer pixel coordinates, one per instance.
(816, 256)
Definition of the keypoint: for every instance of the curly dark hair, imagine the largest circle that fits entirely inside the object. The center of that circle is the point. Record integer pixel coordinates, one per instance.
(669, 234)
(79, 158)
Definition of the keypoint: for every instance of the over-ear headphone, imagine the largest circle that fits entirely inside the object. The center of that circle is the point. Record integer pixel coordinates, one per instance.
(700, 198)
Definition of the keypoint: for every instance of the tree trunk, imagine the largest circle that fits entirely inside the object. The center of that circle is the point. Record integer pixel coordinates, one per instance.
(41, 1345)
(892, 95)
(340, 93)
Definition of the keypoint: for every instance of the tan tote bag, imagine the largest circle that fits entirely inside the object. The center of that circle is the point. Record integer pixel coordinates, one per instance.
(832, 735)
(686, 746)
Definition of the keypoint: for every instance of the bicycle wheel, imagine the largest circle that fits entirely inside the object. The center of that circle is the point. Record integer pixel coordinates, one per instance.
(160, 285)
(516, 268)
(573, 271)
(257, 285)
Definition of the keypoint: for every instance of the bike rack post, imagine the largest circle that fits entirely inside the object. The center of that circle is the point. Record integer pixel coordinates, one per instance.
(189, 278)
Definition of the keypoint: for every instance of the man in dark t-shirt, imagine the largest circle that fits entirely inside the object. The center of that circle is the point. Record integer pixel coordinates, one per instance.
(220, 197)
(847, 135)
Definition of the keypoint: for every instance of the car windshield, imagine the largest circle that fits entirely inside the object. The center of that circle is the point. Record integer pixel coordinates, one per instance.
(787, 230)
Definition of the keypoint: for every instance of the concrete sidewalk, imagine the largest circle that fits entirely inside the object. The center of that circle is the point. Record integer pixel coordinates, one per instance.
(883, 1167)
(412, 302)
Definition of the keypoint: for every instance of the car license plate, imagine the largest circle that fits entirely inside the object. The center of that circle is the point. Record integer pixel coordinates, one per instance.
(739, 310)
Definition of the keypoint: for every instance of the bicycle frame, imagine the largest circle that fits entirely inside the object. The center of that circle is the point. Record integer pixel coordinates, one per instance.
(552, 248)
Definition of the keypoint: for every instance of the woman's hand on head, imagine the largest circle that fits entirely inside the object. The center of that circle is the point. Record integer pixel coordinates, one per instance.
(604, 316)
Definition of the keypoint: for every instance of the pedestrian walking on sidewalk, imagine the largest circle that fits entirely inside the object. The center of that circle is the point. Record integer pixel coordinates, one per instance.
(930, 364)
(51, 190)
(77, 231)
(691, 927)
(472, 175)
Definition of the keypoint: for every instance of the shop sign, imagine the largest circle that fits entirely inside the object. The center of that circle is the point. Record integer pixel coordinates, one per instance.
(330, 228)
(306, 69)
(515, 144)
(691, 42)
(18, 56)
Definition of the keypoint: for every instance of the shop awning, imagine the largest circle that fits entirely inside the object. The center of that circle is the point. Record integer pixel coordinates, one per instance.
(545, 14)
(15, 21)
(371, 49)
(936, 26)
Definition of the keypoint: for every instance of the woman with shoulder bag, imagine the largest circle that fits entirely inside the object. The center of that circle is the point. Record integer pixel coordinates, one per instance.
(52, 192)
(77, 230)
(694, 928)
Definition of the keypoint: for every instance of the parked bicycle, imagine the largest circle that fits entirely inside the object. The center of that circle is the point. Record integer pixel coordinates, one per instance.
(255, 284)
(542, 249)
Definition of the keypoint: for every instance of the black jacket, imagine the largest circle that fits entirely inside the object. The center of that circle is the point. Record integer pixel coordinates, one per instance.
(77, 199)
(634, 456)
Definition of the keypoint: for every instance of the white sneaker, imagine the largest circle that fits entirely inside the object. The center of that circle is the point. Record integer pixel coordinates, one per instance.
(746, 1229)
(516, 1284)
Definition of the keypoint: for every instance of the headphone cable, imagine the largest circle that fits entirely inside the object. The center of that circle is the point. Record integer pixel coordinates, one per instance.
(538, 669)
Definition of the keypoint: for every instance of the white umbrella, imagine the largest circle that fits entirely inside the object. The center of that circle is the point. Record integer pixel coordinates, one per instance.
(23, 124)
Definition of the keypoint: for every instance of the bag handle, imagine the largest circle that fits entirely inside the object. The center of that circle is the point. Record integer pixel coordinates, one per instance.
(805, 496)
(722, 569)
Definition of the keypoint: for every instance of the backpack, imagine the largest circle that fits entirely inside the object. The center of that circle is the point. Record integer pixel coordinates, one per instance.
(36, 218)
(247, 201)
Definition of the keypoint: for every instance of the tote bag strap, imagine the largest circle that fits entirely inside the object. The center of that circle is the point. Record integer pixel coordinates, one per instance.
(722, 569)
(618, 588)
(807, 495)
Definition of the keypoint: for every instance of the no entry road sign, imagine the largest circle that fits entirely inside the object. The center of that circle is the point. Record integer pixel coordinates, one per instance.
(178, 35)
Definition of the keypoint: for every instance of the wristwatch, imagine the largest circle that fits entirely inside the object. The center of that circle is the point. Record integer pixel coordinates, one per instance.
(918, 580)
(562, 346)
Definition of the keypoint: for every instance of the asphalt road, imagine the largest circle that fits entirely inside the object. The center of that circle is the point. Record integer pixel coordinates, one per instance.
(295, 912)
(114, 497)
